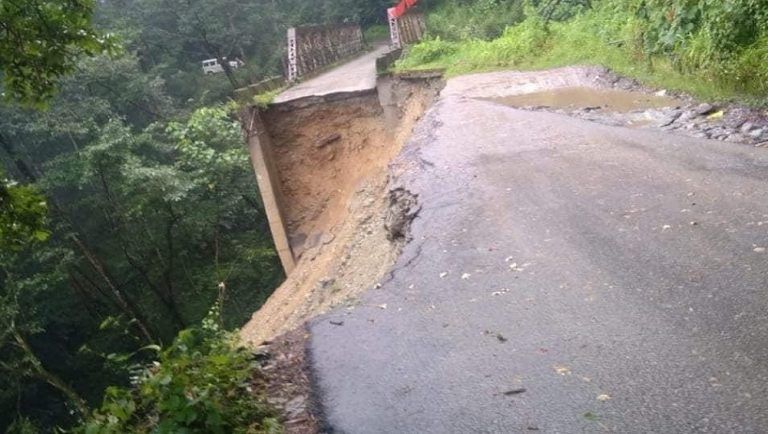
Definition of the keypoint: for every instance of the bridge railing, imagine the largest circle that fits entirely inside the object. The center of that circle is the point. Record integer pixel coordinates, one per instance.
(406, 26)
(313, 47)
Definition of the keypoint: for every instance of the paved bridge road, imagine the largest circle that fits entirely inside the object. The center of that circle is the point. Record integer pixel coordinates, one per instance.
(354, 75)
(565, 277)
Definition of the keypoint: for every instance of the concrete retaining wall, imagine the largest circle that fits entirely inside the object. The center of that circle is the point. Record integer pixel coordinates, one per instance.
(263, 161)
(384, 62)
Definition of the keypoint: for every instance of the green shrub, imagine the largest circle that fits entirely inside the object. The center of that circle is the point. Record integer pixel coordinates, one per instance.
(711, 48)
(200, 384)
(430, 51)
(476, 19)
(750, 68)
(516, 44)
(520, 42)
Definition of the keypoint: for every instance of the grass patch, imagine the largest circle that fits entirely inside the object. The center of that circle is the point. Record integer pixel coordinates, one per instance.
(264, 99)
(602, 37)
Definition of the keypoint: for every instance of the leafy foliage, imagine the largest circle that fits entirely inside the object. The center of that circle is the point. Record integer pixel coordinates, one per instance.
(147, 226)
(709, 47)
(136, 176)
(516, 44)
(40, 41)
(172, 37)
(199, 384)
(456, 20)
(22, 215)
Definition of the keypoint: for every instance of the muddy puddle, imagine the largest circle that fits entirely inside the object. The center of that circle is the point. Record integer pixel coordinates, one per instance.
(615, 100)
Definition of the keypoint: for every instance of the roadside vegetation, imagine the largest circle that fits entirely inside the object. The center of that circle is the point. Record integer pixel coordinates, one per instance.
(713, 49)
(128, 208)
(202, 382)
(377, 33)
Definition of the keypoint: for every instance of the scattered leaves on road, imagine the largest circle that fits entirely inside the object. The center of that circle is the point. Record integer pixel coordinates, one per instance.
(591, 416)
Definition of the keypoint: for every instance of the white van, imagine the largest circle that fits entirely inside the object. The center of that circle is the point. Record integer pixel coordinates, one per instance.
(212, 66)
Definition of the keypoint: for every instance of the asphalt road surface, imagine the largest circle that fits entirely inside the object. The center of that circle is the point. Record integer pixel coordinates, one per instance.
(564, 276)
(355, 75)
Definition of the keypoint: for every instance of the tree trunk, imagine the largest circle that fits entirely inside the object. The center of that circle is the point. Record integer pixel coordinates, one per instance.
(122, 300)
(116, 223)
(21, 166)
(49, 377)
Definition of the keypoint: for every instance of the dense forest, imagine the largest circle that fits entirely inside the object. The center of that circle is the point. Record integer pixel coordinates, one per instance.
(132, 237)
(134, 208)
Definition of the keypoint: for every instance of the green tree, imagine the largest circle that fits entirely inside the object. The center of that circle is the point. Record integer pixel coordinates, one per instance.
(22, 215)
(41, 41)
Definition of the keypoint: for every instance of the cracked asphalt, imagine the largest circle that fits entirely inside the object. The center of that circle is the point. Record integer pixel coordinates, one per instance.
(563, 276)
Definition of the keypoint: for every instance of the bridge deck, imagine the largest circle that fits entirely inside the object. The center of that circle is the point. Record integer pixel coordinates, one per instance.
(356, 75)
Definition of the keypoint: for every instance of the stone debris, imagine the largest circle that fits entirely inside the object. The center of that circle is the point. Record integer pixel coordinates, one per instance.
(287, 383)
(327, 140)
(732, 123)
(704, 109)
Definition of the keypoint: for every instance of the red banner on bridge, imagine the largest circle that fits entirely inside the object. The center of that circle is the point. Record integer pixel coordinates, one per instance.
(399, 10)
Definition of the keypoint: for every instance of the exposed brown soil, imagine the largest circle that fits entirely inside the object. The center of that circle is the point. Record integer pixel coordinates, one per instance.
(322, 154)
(332, 159)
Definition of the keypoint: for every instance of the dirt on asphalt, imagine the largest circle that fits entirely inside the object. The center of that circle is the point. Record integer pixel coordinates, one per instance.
(333, 159)
(285, 375)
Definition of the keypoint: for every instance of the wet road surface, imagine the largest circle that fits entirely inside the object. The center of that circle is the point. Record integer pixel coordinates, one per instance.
(355, 75)
(564, 276)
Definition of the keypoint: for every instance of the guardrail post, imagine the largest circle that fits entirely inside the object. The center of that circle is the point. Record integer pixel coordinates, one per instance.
(394, 30)
(293, 57)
